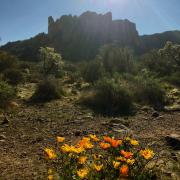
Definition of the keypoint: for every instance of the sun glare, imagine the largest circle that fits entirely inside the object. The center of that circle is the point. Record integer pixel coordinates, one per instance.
(111, 1)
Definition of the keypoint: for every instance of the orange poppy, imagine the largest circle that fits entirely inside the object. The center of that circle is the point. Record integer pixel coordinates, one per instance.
(116, 143)
(105, 145)
(126, 154)
(124, 170)
(107, 139)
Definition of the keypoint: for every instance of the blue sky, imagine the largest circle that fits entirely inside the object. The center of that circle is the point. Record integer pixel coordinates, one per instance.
(21, 19)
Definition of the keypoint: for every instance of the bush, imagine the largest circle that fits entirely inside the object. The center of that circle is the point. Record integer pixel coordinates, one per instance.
(109, 98)
(92, 71)
(173, 79)
(47, 90)
(116, 59)
(7, 93)
(13, 76)
(148, 90)
(7, 61)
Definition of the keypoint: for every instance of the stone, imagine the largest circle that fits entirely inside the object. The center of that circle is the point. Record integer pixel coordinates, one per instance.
(146, 108)
(77, 133)
(175, 176)
(120, 128)
(90, 117)
(26, 70)
(151, 165)
(2, 136)
(160, 162)
(155, 114)
(84, 86)
(5, 120)
(119, 121)
(104, 123)
(2, 140)
(173, 140)
(173, 108)
(169, 165)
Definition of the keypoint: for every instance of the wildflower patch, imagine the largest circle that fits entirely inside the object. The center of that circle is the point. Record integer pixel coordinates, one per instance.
(99, 158)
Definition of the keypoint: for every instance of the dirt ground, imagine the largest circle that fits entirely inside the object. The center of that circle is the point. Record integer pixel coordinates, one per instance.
(31, 128)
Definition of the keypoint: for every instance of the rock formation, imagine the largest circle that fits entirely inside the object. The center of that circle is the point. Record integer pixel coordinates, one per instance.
(79, 38)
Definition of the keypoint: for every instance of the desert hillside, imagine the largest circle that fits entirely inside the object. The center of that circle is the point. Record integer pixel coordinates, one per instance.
(91, 99)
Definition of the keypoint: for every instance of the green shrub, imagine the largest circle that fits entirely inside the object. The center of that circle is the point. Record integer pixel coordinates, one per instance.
(92, 71)
(116, 59)
(24, 65)
(47, 90)
(173, 79)
(7, 61)
(13, 76)
(7, 93)
(148, 90)
(109, 98)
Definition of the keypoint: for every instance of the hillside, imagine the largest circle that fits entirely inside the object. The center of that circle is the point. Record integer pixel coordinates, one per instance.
(158, 40)
(90, 100)
(79, 38)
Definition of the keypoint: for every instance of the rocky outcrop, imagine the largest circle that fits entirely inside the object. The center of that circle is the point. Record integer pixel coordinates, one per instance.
(81, 37)
(158, 40)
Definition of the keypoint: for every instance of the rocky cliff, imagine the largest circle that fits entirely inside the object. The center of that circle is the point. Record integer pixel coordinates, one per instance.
(80, 37)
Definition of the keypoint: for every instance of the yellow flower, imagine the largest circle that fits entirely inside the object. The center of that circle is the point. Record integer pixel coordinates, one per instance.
(98, 167)
(50, 153)
(116, 164)
(82, 173)
(50, 177)
(124, 170)
(50, 171)
(83, 142)
(123, 159)
(60, 139)
(77, 150)
(94, 137)
(70, 155)
(134, 142)
(88, 145)
(82, 159)
(127, 138)
(130, 161)
(147, 153)
(97, 156)
(66, 148)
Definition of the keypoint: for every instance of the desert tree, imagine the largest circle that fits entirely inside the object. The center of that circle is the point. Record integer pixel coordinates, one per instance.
(52, 61)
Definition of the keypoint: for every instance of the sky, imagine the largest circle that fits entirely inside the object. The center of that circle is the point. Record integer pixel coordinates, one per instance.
(22, 19)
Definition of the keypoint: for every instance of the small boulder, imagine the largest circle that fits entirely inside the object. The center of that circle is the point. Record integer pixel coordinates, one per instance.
(5, 120)
(173, 140)
(13, 104)
(78, 133)
(2, 137)
(146, 108)
(119, 121)
(173, 108)
(155, 114)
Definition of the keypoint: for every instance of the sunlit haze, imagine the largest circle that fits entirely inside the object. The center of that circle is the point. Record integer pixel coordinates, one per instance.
(21, 19)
